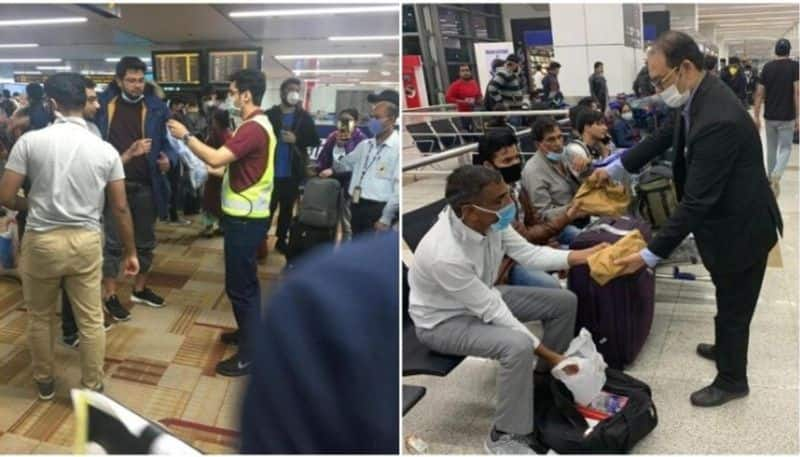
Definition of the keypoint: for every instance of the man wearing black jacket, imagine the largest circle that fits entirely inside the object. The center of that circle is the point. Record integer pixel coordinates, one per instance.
(296, 132)
(725, 200)
(733, 76)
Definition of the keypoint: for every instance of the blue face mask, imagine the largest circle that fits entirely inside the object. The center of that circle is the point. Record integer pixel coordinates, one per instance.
(375, 126)
(554, 156)
(505, 216)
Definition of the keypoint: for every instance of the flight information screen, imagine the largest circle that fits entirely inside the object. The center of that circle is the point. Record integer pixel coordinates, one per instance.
(223, 63)
(179, 67)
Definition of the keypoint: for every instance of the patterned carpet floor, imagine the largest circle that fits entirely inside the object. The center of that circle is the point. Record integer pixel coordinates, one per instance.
(160, 364)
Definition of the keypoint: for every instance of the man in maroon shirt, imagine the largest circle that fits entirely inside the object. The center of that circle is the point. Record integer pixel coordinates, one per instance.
(246, 191)
(465, 93)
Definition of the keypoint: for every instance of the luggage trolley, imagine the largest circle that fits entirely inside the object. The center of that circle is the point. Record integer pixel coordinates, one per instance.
(685, 254)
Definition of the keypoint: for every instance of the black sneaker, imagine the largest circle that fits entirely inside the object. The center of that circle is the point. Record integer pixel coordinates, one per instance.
(147, 297)
(74, 340)
(115, 309)
(230, 337)
(234, 366)
(47, 389)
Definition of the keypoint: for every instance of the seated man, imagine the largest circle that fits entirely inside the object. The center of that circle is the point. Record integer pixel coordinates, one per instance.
(498, 150)
(456, 310)
(547, 182)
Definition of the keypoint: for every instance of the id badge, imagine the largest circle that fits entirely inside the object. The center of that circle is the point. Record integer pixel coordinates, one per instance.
(356, 194)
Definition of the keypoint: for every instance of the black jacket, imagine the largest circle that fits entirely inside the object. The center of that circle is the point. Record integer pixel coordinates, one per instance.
(725, 197)
(737, 82)
(304, 129)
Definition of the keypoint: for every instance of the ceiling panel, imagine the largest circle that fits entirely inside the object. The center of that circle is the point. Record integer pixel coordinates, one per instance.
(146, 27)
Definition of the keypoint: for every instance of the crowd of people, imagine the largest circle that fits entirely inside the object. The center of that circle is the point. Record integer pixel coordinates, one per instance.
(91, 174)
(491, 261)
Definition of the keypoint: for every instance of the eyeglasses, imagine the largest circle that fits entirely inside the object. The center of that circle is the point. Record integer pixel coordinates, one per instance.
(659, 83)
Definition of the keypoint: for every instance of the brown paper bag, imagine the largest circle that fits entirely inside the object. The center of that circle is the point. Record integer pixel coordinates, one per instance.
(603, 200)
(601, 263)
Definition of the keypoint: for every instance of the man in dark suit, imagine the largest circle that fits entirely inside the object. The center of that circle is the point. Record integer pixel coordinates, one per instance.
(725, 200)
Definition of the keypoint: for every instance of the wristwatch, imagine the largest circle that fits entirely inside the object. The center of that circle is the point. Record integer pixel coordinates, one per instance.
(187, 137)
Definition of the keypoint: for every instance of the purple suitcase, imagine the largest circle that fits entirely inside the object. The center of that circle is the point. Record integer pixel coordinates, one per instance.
(619, 314)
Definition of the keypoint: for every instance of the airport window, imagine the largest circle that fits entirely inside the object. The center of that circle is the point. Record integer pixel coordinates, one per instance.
(456, 49)
(451, 22)
(411, 45)
(409, 19)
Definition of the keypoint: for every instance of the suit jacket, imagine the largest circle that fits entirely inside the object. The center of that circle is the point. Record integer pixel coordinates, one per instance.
(725, 197)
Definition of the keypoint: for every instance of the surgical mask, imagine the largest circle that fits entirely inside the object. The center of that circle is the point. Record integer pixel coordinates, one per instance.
(555, 156)
(511, 174)
(129, 99)
(231, 108)
(293, 98)
(673, 98)
(505, 216)
(627, 116)
(375, 126)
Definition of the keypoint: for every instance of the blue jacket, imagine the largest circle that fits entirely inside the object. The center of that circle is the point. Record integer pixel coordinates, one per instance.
(325, 357)
(622, 134)
(155, 119)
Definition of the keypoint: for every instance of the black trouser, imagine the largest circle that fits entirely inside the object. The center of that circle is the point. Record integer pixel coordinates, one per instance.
(174, 177)
(364, 215)
(68, 325)
(737, 294)
(285, 193)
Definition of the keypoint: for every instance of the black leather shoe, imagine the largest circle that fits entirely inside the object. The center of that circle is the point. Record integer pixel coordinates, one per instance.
(707, 351)
(714, 396)
(230, 337)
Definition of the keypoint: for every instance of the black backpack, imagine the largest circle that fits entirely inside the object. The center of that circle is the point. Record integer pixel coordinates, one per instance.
(560, 427)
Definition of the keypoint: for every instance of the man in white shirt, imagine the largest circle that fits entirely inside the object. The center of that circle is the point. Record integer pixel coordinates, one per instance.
(71, 172)
(456, 309)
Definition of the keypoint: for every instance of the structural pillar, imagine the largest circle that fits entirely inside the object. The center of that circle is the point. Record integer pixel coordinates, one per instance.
(586, 33)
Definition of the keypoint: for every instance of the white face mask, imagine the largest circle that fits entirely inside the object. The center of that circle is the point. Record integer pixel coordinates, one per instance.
(293, 98)
(673, 98)
(627, 116)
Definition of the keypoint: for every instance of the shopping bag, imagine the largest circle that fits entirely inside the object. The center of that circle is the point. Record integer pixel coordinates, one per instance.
(605, 199)
(198, 173)
(587, 383)
(601, 264)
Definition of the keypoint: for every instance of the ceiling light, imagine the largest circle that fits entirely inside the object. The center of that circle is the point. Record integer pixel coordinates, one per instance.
(330, 56)
(50, 21)
(364, 38)
(57, 68)
(27, 72)
(36, 60)
(314, 11)
(91, 72)
(117, 59)
(386, 73)
(311, 80)
(19, 45)
(380, 83)
(337, 70)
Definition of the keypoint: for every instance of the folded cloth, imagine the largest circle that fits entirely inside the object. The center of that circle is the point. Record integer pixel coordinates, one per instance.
(198, 173)
(601, 264)
(603, 199)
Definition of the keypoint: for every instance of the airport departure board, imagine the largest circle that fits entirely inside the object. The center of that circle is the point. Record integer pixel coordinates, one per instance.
(223, 63)
(179, 67)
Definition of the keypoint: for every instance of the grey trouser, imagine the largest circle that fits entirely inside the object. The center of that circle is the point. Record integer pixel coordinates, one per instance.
(468, 335)
(143, 213)
(779, 147)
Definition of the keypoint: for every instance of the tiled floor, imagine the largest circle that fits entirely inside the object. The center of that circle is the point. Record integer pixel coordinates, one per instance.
(456, 414)
(160, 363)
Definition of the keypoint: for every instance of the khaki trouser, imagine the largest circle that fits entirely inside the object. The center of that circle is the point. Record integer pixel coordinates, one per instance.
(72, 257)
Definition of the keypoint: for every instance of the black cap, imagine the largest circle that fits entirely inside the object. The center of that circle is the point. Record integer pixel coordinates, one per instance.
(783, 47)
(388, 95)
(513, 58)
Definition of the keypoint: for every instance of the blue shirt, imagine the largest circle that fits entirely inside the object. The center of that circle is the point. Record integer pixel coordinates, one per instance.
(325, 359)
(283, 153)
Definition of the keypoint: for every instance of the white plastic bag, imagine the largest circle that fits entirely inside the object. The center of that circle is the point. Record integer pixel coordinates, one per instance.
(591, 377)
(198, 173)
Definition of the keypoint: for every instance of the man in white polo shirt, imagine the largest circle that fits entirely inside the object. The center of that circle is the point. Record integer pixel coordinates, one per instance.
(457, 310)
(71, 170)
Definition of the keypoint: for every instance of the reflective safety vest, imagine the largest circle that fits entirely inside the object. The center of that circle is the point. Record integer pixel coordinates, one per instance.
(252, 202)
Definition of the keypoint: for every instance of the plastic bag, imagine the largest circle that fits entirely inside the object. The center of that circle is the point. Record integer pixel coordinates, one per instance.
(198, 173)
(591, 377)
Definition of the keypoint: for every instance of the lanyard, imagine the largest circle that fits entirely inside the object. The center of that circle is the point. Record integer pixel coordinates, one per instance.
(369, 163)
